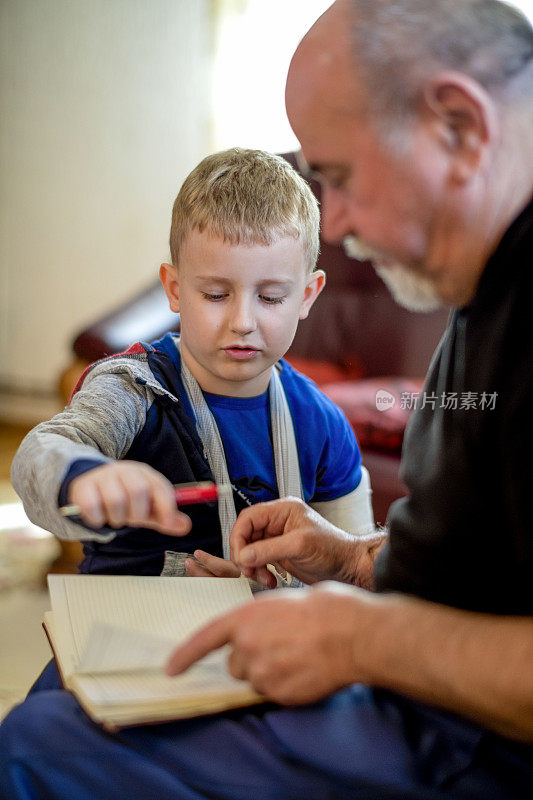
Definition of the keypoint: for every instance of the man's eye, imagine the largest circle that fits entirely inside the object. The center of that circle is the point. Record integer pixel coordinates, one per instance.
(271, 300)
(337, 182)
(213, 297)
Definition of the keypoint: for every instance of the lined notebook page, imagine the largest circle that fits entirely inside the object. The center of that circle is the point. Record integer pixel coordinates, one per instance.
(207, 677)
(170, 608)
(112, 649)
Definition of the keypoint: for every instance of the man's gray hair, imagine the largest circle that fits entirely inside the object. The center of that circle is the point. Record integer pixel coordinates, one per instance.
(398, 44)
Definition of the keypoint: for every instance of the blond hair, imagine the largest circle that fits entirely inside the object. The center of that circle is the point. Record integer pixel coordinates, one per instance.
(246, 197)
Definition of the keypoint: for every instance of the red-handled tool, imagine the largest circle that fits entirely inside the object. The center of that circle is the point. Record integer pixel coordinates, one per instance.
(187, 494)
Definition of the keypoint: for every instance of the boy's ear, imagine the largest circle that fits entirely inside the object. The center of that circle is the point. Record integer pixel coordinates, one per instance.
(169, 278)
(315, 283)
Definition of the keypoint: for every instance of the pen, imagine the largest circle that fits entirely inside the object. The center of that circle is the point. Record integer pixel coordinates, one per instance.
(186, 494)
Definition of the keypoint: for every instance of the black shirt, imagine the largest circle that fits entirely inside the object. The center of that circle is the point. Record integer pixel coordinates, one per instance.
(464, 535)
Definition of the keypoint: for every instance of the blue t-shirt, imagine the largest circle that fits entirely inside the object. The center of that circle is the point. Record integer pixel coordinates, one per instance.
(330, 462)
(329, 458)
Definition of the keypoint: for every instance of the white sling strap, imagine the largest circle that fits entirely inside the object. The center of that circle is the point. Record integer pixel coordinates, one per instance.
(283, 440)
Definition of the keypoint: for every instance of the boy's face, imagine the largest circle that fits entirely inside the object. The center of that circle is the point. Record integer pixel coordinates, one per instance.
(239, 306)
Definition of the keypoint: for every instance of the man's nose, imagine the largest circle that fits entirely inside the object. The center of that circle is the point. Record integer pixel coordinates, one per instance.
(242, 316)
(335, 222)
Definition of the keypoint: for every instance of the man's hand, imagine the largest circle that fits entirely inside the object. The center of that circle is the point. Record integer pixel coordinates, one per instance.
(299, 646)
(128, 493)
(290, 533)
(293, 646)
(210, 566)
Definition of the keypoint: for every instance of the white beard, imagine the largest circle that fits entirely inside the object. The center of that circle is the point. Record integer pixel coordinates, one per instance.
(408, 289)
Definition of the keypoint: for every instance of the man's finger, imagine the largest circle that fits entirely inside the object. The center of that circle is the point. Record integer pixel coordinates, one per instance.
(268, 551)
(213, 636)
(263, 576)
(263, 519)
(243, 530)
(237, 665)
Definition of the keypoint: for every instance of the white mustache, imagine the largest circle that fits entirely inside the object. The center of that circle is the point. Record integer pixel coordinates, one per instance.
(356, 248)
(412, 291)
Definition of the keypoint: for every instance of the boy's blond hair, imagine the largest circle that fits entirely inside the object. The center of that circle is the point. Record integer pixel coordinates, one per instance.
(246, 197)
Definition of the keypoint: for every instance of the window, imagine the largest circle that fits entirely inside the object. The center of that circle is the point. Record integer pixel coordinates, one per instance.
(255, 41)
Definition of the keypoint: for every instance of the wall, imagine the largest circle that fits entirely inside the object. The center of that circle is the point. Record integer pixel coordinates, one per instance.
(104, 110)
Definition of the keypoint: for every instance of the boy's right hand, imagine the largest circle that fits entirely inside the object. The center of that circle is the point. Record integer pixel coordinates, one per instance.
(128, 493)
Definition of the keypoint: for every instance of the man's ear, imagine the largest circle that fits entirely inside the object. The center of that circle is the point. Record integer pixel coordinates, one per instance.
(169, 278)
(314, 285)
(465, 120)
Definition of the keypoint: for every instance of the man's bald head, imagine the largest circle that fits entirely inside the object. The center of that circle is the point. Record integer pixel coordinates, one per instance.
(392, 47)
(323, 62)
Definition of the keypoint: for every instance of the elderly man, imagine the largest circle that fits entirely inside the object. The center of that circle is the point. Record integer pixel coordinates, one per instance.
(417, 117)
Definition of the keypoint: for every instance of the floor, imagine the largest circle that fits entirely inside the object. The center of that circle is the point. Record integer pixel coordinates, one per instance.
(24, 649)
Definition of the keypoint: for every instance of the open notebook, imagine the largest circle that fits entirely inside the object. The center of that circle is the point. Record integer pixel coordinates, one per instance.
(111, 636)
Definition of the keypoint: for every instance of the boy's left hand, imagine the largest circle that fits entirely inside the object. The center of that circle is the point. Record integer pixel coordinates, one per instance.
(210, 566)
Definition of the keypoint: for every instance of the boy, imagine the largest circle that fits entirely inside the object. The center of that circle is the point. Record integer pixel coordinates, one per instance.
(209, 404)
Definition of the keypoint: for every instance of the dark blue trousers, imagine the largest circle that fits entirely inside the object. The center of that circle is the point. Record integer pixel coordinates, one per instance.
(360, 743)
